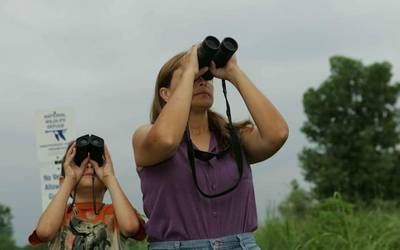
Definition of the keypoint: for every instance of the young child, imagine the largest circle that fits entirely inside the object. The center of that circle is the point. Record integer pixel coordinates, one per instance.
(88, 223)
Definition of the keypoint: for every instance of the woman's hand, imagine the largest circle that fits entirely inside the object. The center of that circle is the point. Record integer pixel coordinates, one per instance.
(72, 171)
(189, 64)
(229, 72)
(106, 172)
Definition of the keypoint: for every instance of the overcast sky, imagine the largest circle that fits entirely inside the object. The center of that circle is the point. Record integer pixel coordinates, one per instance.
(101, 58)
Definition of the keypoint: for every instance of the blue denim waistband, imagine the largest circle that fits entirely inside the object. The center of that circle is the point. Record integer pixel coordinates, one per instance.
(236, 240)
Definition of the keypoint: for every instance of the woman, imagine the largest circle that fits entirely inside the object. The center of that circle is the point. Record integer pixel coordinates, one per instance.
(180, 216)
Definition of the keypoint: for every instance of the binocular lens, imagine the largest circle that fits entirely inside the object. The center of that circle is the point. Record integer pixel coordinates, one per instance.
(226, 50)
(211, 43)
(82, 149)
(82, 142)
(229, 44)
(207, 50)
(96, 143)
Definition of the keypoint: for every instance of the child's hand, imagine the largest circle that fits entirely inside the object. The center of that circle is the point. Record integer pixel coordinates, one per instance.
(71, 170)
(105, 172)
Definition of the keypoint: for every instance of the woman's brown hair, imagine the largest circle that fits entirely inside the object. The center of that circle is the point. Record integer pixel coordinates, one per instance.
(216, 122)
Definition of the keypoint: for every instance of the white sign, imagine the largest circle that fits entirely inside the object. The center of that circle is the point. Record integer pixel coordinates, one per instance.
(49, 175)
(54, 130)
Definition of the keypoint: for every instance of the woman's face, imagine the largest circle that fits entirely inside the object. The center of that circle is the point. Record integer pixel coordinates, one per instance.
(203, 93)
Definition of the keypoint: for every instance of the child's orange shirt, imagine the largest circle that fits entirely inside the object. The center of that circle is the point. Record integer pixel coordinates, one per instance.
(83, 229)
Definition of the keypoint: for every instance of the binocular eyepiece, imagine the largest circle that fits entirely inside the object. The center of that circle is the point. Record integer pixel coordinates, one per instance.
(212, 50)
(89, 144)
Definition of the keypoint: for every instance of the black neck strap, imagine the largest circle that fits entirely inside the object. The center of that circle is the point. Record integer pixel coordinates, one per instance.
(235, 146)
(96, 212)
(71, 206)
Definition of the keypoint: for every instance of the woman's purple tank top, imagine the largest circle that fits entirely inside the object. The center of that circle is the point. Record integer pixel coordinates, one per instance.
(176, 209)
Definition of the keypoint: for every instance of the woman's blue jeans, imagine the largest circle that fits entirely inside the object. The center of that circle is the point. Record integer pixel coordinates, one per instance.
(232, 242)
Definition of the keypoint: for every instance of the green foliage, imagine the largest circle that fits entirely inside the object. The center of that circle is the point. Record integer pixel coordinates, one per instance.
(6, 232)
(5, 221)
(333, 224)
(351, 123)
(39, 247)
(6, 242)
(137, 245)
(297, 203)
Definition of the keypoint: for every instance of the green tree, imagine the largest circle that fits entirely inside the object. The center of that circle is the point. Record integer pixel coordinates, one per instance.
(352, 126)
(5, 221)
(6, 240)
(297, 203)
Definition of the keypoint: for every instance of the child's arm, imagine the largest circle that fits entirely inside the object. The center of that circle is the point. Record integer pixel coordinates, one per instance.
(127, 218)
(51, 219)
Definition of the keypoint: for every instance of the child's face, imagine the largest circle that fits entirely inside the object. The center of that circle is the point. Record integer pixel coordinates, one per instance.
(86, 180)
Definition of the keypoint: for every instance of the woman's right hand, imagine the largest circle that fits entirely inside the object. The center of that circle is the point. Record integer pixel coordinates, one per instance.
(72, 171)
(156, 142)
(189, 64)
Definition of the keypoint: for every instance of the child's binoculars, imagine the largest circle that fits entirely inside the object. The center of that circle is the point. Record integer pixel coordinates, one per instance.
(89, 144)
(212, 50)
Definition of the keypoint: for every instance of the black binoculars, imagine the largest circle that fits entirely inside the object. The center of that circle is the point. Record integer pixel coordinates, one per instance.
(89, 144)
(212, 50)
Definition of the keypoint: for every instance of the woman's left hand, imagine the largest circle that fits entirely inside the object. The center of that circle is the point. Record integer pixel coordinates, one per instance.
(105, 172)
(228, 72)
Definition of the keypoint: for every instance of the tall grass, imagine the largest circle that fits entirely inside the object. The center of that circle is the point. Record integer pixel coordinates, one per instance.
(333, 224)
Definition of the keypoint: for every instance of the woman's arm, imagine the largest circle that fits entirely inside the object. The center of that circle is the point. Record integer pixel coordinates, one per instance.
(271, 130)
(125, 214)
(51, 219)
(157, 142)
